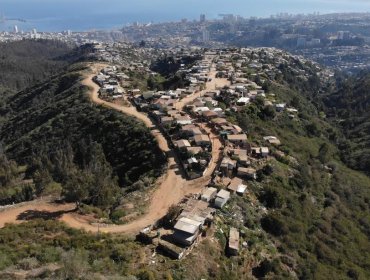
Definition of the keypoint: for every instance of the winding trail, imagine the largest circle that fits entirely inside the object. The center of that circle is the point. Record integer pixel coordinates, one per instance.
(172, 187)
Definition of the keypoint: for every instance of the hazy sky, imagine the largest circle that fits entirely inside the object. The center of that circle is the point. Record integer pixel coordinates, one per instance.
(170, 8)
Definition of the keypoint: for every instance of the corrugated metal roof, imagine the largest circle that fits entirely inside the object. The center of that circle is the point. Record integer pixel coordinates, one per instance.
(187, 225)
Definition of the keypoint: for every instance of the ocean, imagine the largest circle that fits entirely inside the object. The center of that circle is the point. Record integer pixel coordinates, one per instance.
(82, 15)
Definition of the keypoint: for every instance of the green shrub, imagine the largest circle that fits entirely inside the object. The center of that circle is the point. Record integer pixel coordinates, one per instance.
(117, 214)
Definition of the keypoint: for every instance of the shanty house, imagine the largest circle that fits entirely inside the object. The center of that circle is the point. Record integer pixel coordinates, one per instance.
(237, 139)
(202, 140)
(233, 246)
(222, 198)
(249, 173)
(186, 231)
(208, 194)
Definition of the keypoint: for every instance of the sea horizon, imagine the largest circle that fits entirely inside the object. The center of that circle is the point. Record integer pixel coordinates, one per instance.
(82, 15)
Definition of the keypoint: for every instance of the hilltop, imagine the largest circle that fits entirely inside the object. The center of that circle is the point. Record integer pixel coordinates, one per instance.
(57, 135)
(250, 130)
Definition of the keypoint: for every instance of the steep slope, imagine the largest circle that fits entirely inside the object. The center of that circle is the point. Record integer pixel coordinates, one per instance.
(317, 209)
(27, 62)
(349, 107)
(54, 128)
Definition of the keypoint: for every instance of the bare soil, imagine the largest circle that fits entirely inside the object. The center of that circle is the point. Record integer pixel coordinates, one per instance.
(172, 187)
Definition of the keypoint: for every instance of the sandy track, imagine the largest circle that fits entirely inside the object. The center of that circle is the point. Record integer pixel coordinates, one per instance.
(171, 190)
(35, 209)
(215, 83)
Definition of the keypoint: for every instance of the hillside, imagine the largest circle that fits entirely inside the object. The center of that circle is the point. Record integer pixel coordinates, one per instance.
(27, 62)
(349, 108)
(29, 250)
(344, 103)
(305, 216)
(316, 223)
(53, 129)
(318, 209)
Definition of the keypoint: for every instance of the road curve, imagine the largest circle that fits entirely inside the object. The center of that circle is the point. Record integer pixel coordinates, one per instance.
(172, 186)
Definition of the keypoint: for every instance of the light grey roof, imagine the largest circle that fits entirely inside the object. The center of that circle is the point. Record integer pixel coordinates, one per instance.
(223, 194)
(187, 225)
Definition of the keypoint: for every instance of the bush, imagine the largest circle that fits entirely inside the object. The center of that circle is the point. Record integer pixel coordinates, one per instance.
(75, 264)
(271, 198)
(49, 255)
(87, 210)
(146, 275)
(274, 224)
(28, 264)
(5, 260)
(117, 215)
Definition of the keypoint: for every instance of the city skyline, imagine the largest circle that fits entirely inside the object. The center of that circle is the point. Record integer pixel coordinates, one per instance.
(56, 15)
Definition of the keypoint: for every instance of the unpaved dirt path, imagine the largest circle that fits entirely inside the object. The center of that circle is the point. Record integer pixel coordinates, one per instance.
(171, 190)
(214, 84)
(34, 209)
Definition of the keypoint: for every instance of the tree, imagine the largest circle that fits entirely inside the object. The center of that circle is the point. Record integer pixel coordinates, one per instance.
(268, 169)
(268, 113)
(77, 188)
(271, 198)
(324, 153)
(313, 129)
(103, 187)
(8, 169)
(295, 102)
(42, 179)
(274, 224)
(171, 216)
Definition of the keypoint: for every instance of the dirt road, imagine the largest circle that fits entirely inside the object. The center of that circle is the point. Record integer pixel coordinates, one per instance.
(214, 84)
(170, 191)
(34, 209)
(172, 186)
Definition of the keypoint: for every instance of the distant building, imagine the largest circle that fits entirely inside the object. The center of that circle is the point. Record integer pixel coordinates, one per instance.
(272, 140)
(314, 42)
(229, 18)
(280, 107)
(205, 35)
(236, 186)
(15, 29)
(242, 101)
(202, 18)
(301, 42)
(182, 144)
(343, 35)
